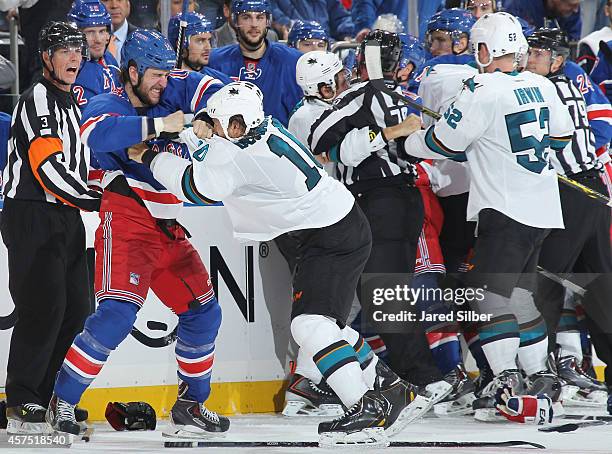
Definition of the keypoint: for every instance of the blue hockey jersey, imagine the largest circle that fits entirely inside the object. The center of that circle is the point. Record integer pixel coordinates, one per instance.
(110, 124)
(599, 111)
(224, 78)
(273, 73)
(96, 77)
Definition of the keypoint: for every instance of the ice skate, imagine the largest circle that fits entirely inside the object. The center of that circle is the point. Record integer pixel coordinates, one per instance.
(305, 398)
(60, 418)
(26, 419)
(362, 424)
(485, 405)
(580, 389)
(546, 382)
(459, 400)
(191, 419)
(403, 403)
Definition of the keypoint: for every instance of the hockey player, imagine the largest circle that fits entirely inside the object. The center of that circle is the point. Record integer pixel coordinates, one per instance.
(307, 36)
(383, 189)
(269, 65)
(412, 62)
(271, 184)
(448, 32)
(515, 212)
(479, 8)
(101, 73)
(140, 245)
(585, 240)
(199, 40)
(588, 47)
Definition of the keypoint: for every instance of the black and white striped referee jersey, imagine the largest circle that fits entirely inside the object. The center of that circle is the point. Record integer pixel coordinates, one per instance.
(579, 155)
(362, 163)
(47, 161)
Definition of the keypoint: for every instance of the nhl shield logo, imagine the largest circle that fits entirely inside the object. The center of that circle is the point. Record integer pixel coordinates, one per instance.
(134, 278)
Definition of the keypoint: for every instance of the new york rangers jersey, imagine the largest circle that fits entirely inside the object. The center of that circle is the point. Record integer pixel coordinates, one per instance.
(110, 125)
(505, 123)
(268, 181)
(273, 73)
(96, 77)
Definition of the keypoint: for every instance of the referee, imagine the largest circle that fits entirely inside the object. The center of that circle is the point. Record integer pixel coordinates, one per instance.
(46, 186)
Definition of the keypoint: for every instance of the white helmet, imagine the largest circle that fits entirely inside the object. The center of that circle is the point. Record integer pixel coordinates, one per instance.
(237, 98)
(316, 68)
(502, 34)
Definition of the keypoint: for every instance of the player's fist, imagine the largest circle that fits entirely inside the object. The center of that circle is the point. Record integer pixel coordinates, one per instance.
(362, 34)
(135, 152)
(175, 122)
(410, 125)
(202, 129)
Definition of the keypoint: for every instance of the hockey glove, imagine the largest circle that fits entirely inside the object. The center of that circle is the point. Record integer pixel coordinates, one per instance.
(524, 409)
(130, 416)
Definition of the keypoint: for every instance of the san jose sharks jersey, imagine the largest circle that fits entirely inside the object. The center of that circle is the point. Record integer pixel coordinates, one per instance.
(269, 182)
(505, 124)
(110, 125)
(273, 73)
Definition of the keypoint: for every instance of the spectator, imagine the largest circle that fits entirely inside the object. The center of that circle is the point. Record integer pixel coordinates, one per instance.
(331, 14)
(270, 66)
(199, 40)
(119, 11)
(588, 47)
(308, 36)
(593, 15)
(226, 33)
(563, 14)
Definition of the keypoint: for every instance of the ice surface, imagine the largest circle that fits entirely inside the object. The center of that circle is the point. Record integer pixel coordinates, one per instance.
(597, 439)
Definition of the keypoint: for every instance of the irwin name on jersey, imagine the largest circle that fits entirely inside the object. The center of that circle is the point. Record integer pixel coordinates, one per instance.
(526, 95)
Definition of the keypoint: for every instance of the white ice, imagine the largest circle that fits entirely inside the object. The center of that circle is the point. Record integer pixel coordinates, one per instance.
(596, 439)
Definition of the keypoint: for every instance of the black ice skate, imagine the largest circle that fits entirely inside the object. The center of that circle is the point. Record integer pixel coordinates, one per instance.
(484, 406)
(362, 424)
(26, 419)
(403, 403)
(191, 419)
(546, 382)
(459, 401)
(579, 388)
(305, 398)
(484, 378)
(60, 416)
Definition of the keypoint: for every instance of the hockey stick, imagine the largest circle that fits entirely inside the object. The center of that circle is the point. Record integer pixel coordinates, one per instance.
(181, 35)
(372, 61)
(315, 444)
(570, 427)
(605, 418)
(566, 283)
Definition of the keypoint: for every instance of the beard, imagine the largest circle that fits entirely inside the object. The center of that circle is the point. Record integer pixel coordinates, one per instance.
(144, 97)
(248, 42)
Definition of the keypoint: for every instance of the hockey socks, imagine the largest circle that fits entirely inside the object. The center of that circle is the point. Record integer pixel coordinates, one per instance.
(104, 330)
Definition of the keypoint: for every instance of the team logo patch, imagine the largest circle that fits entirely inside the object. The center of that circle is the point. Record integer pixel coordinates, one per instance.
(249, 74)
(134, 278)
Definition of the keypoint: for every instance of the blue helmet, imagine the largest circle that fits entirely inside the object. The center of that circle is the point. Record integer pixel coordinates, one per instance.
(196, 24)
(246, 6)
(455, 20)
(527, 28)
(306, 30)
(412, 52)
(89, 13)
(147, 49)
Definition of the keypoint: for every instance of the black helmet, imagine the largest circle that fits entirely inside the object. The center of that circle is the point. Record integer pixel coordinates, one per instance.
(55, 35)
(553, 39)
(390, 49)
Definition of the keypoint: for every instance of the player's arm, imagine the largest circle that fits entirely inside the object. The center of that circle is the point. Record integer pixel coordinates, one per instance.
(46, 159)
(599, 112)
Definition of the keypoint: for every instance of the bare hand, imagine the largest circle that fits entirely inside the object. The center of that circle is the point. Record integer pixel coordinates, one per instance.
(174, 122)
(202, 129)
(322, 158)
(362, 34)
(135, 152)
(410, 125)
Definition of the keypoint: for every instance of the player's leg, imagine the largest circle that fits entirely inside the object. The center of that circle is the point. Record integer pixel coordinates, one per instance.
(182, 283)
(127, 249)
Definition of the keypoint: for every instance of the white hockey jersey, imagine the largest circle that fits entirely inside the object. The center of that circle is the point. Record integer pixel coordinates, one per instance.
(269, 182)
(505, 123)
(439, 87)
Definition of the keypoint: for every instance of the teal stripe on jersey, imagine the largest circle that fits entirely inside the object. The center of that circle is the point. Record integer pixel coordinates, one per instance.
(434, 144)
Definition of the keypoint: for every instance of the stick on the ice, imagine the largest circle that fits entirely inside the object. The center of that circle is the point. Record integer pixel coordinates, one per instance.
(570, 427)
(315, 444)
(375, 74)
(181, 35)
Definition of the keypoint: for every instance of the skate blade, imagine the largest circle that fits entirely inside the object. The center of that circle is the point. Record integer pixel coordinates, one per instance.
(374, 437)
(187, 435)
(298, 408)
(568, 392)
(15, 427)
(594, 399)
(459, 407)
(415, 410)
(437, 391)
